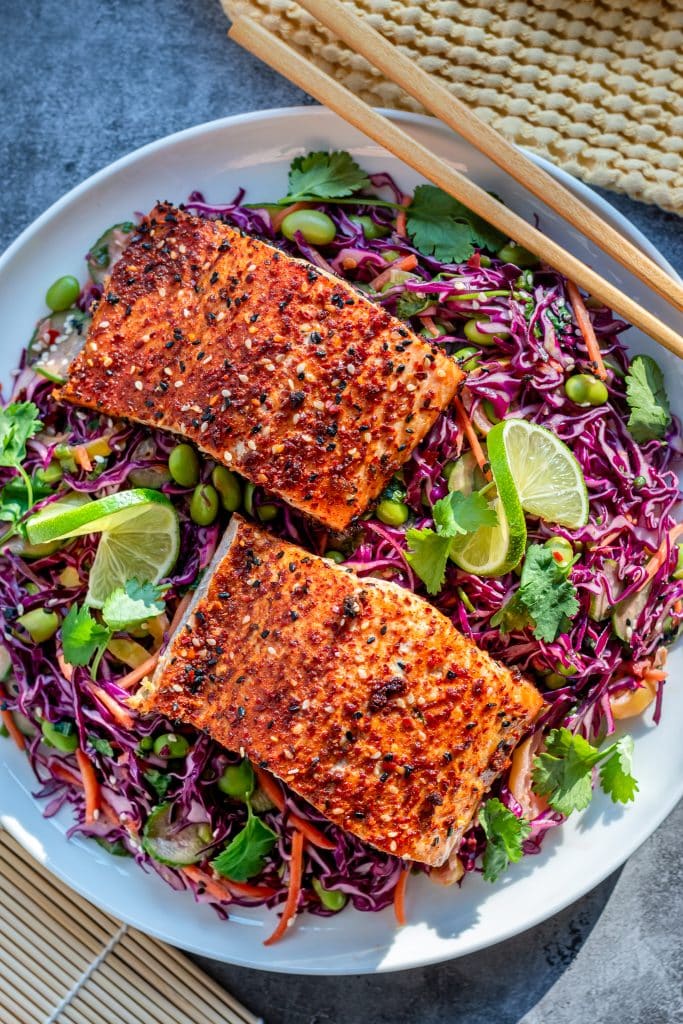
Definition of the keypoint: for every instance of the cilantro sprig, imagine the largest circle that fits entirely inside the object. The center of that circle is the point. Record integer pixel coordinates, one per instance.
(245, 854)
(440, 226)
(563, 773)
(546, 599)
(19, 422)
(505, 835)
(647, 400)
(84, 639)
(455, 515)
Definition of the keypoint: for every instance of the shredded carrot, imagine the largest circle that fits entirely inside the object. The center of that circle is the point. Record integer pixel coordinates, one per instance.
(274, 794)
(259, 892)
(276, 219)
(12, 728)
(82, 458)
(66, 669)
(120, 714)
(661, 553)
(401, 218)
(128, 681)
(295, 872)
(655, 675)
(183, 605)
(216, 890)
(348, 263)
(468, 430)
(64, 774)
(430, 325)
(400, 898)
(586, 328)
(90, 785)
(405, 263)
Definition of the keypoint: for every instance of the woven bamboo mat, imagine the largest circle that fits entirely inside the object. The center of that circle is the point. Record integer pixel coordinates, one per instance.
(62, 961)
(596, 86)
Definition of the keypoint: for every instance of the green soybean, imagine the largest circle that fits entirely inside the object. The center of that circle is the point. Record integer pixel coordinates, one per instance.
(61, 735)
(335, 556)
(228, 486)
(638, 482)
(183, 465)
(554, 681)
(170, 744)
(51, 474)
(204, 505)
(267, 512)
(316, 227)
(331, 899)
(518, 255)
(565, 670)
(146, 744)
(584, 389)
(488, 408)
(62, 293)
(370, 228)
(468, 357)
(237, 781)
(393, 513)
(562, 551)
(249, 489)
(40, 625)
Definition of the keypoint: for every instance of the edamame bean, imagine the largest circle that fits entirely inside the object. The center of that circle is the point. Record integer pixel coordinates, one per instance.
(249, 489)
(390, 255)
(566, 670)
(204, 505)
(316, 227)
(183, 465)
(62, 293)
(331, 899)
(61, 735)
(40, 625)
(638, 482)
(562, 551)
(237, 781)
(335, 556)
(228, 486)
(267, 512)
(146, 743)
(473, 334)
(370, 228)
(487, 406)
(51, 474)
(393, 513)
(468, 357)
(518, 255)
(170, 744)
(554, 681)
(584, 389)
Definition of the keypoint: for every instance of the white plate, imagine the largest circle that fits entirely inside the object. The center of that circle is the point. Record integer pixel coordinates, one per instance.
(254, 150)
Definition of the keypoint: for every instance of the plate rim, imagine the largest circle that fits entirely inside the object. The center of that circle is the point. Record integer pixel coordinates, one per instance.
(665, 806)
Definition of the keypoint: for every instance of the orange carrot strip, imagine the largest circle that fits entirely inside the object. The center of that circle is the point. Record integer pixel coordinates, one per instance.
(215, 889)
(295, 873)
(408, 262)
(276, 219)
(64, 774)
(128, 681)
(401, 218)
(12, 728)
(82, 458)
(586, 328)
(468, 430)
(66, 669)
(400, 898)
(655, 675)
(660, 554)
(120, 715)
(260, 892)
(90, 785)
(430, 325)
(274, 794)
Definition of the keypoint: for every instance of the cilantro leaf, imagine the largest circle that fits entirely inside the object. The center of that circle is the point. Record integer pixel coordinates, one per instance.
(647, 400)
(15, 499)
(82, 636)
(159, 782)
(505, 833)
(101, 745)
(442, 227)
(563, 773)
(325, 176)
(243, 857)
(19, 421)
(512, 616)
(547, 594)
(411, 303)
(132, 604)
(615, 773)
(459, 513)
(428, 554)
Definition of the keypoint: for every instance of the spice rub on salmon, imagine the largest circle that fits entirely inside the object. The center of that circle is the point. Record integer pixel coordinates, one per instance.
(359, 695)
(270, 365)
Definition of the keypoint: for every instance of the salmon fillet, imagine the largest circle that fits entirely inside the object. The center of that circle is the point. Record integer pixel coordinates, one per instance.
(270, 365)
(359, 695)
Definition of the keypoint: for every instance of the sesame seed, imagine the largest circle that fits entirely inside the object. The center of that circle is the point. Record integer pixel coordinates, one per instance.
(168, 371)
(251, 444)
(277, 449)
(243, 378)
(272, 652)
(104, 323)
(178, 384)
(227, 456)
(138, 385)
(246, 619)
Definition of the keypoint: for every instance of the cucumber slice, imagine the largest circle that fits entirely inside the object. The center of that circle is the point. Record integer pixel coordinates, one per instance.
(176, 848)
(5, 663)
(626, 614)
(107, 250)
(56, 341)
(600, 607)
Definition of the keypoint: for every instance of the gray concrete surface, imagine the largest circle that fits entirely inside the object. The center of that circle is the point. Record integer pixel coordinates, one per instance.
(84, 83)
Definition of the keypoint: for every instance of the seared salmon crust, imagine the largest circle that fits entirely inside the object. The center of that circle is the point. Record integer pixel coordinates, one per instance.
(271, 366)
(359, 695)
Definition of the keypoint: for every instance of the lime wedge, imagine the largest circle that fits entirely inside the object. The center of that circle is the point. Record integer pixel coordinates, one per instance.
(140, 537)
(493, 550)
(547, 477)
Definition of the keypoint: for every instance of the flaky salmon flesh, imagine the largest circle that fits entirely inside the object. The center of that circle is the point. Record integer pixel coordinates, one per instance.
(271, 366)
(360, 696)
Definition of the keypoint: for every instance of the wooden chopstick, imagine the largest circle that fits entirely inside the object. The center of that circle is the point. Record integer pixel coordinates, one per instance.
(283, 58)
(362, 38)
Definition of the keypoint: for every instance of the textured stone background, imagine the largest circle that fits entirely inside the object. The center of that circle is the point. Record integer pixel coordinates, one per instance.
(82, 84)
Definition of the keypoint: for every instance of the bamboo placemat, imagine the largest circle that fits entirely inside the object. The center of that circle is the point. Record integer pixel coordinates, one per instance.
(596, 86)
(62, 961)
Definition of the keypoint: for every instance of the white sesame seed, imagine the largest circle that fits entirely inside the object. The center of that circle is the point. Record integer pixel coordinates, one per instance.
(104, 323)
(204, 427)
(246, 619)
(186, 314)
(138, 385)
(247, 344)
(225, 393)
(317, 404)
(243, 378)
(178, 384)
(350, 368)
(168, 371)
(227, 456)
(162, 293)
(301, 367)
(272, 652)
(251, 445)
